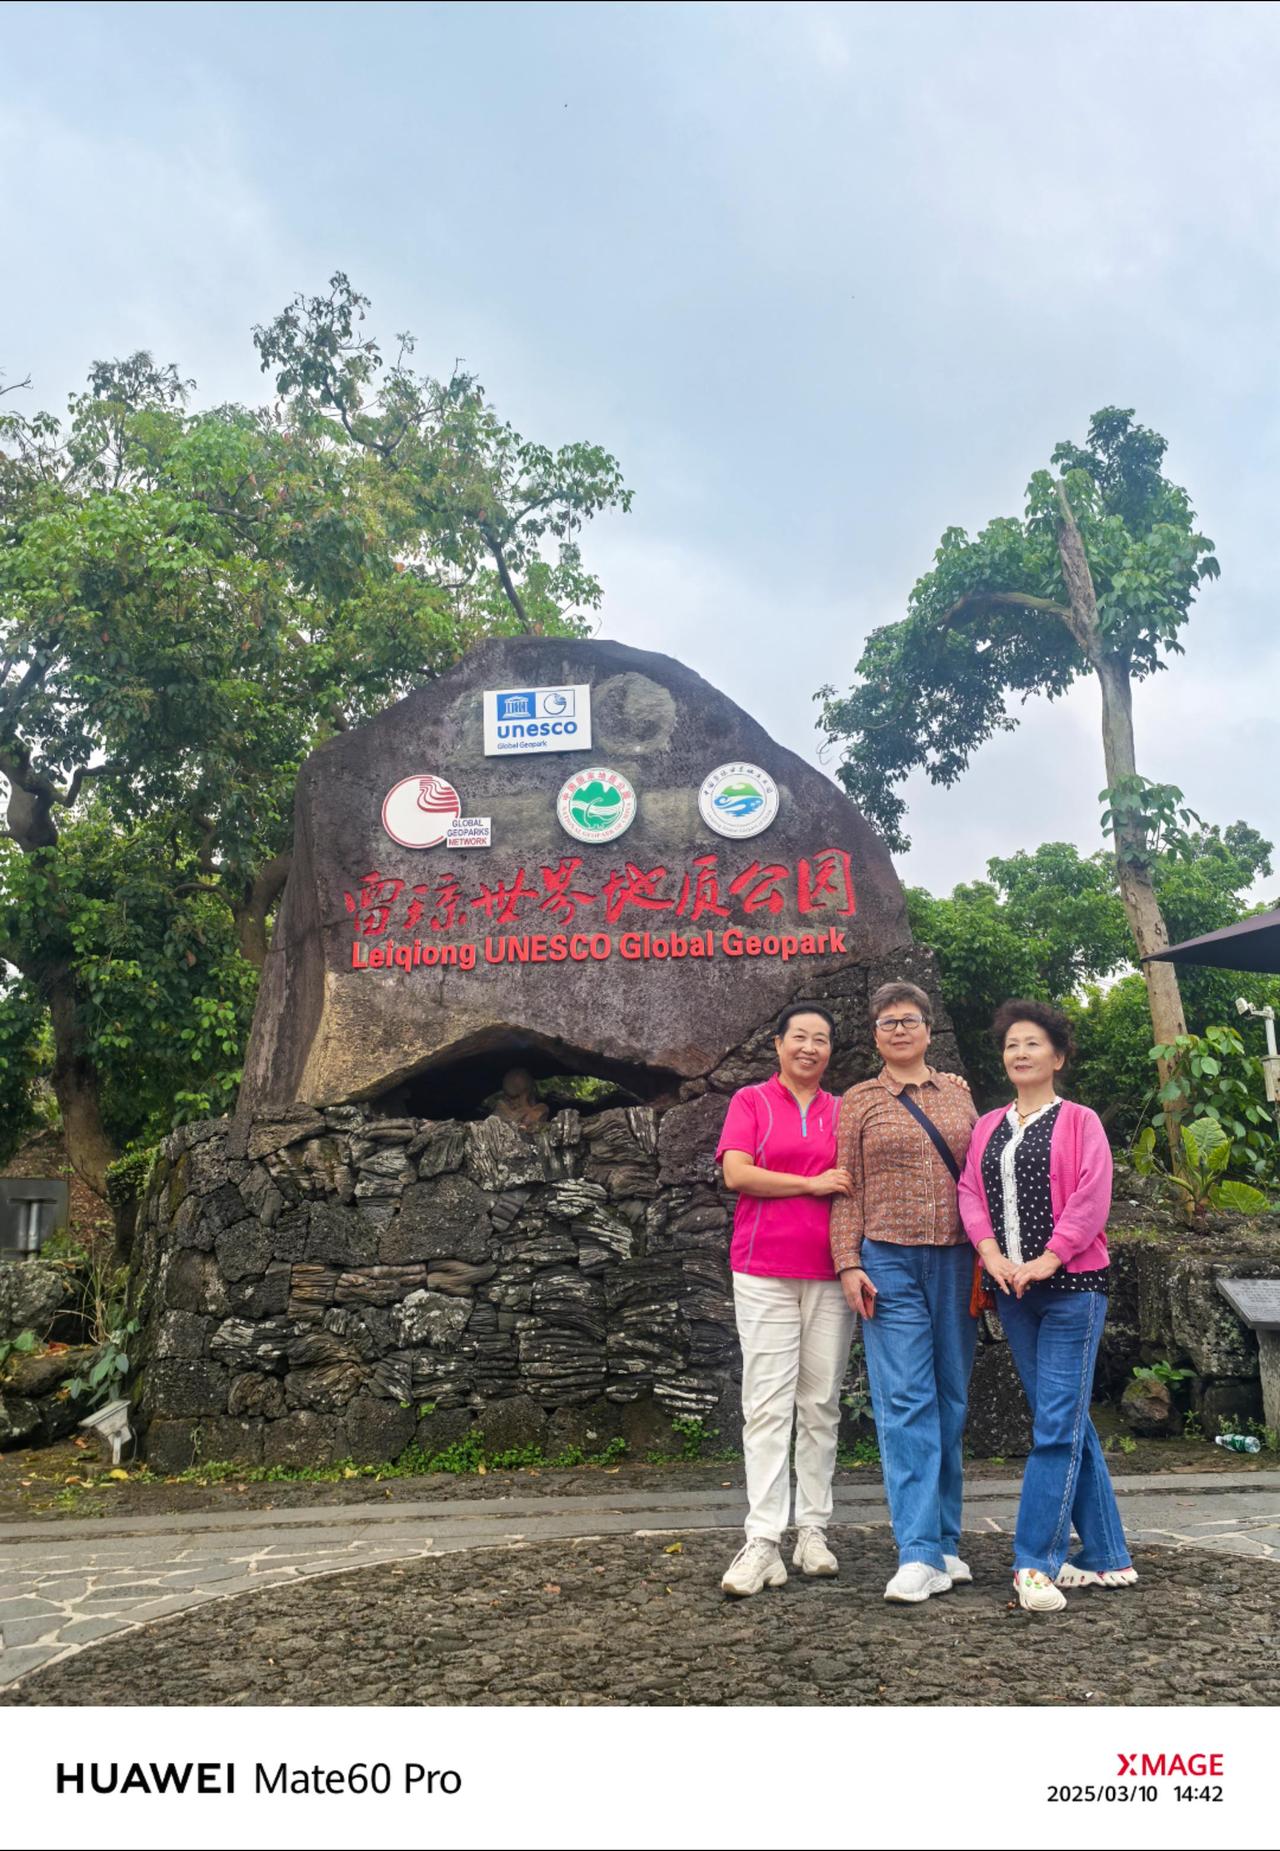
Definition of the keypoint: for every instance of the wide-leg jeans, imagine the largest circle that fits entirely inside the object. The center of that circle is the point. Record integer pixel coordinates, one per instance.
(920, 1347)
(1054, 1338)
(795, 1336)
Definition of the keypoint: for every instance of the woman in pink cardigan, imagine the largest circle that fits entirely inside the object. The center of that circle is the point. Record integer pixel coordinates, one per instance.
(1034, 1199)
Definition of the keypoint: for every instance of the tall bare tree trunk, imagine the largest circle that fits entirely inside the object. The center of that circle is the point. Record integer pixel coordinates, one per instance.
(256, 903)
(1142, 909)
(75, 1083)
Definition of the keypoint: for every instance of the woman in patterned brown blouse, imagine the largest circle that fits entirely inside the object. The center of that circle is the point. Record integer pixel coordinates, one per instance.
(907, 1270)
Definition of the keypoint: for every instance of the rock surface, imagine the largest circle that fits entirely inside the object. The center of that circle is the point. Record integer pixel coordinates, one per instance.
(333, 1026)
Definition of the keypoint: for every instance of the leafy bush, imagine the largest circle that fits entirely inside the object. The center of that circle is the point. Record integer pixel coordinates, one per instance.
(1213, 1076)
(1197, 1179)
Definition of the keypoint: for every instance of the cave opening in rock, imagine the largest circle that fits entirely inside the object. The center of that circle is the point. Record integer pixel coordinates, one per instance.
(467, 1083)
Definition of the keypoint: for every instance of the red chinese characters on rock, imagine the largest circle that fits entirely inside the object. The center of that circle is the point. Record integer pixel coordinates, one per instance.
(820, 883)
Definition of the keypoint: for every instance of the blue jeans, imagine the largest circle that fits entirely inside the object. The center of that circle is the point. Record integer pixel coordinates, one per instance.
(919, 1348)
(1054, 1339)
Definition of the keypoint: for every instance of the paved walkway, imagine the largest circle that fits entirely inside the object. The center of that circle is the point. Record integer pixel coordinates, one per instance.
(66, 1585)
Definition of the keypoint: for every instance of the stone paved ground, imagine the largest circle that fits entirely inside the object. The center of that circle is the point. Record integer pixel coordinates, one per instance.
(639, 1619)
(69, 1586)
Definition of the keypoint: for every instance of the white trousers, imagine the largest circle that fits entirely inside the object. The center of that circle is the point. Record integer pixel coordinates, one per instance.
(795, 1336)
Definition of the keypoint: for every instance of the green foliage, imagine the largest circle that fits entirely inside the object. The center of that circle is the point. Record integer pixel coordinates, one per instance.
(989, 620)
(1162, 1371)
(1197, 1179)
(128, 1176)
(1042, 924)
(862, 1452)
(1145, 818)
(461, 1458)
(190, 602)
(104, 1306)
(22, 1050)
(1127, 1443)
(1212, 1076)
(1049, 923)
(24, 1344)
(693, 1434)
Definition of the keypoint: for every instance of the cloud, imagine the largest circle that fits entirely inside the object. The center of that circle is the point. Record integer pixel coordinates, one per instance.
(126, 244)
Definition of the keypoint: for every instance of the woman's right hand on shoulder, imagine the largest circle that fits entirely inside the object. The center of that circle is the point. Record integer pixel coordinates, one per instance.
(831, 1182)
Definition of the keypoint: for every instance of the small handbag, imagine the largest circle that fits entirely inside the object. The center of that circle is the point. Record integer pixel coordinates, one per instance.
(981, 1297)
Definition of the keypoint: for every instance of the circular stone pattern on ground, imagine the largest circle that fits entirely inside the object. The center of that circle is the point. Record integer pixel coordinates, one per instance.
(620, 1620)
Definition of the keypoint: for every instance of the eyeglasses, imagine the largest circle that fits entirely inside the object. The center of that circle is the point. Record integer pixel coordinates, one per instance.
(887, 1023)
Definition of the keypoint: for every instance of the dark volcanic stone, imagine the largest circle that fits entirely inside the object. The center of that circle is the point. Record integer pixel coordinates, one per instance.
(170, 1445)
(304, 1438)
(326, 1388)
(19, 1420)
(260, 1395)
(341, 1236)
(180, 1333)
(687, 1138)
(1146, 1406)
(192, 1282)
(442, 1427)
(446, 1218)
(377, 1430)
(514, 1422)
(186, 1388)
(244, 1251)
(434, 1318)
(31, 1295)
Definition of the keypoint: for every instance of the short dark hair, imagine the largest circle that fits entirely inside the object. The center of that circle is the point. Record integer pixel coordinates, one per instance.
(901, 993)
(1025, 1009)
(794, 1009)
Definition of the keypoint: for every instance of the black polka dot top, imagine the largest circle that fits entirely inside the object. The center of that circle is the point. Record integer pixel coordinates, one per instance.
(1033, 1203)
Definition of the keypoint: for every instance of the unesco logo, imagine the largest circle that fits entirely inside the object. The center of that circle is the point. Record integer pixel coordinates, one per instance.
(537, 720)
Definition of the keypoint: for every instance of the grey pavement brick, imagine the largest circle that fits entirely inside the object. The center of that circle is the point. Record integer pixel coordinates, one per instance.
(1234, 1545)
(27, 1658)
(81, 1632)
(27, 1607)
(29, 1632)
(160, 1609)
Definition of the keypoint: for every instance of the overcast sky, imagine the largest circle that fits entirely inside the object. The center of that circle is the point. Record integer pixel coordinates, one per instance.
(826, 280)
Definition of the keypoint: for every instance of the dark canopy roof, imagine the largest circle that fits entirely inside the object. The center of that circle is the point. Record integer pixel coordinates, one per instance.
(1253, 944)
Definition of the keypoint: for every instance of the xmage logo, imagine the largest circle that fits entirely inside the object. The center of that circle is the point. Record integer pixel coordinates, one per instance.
(1144, 1766)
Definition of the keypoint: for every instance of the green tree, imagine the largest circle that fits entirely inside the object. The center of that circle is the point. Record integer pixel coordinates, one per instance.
(190, 602)
(1050, 923)
(1097, 578)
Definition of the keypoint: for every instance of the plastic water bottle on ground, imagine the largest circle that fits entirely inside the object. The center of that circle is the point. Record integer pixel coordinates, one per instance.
(1239, 1442)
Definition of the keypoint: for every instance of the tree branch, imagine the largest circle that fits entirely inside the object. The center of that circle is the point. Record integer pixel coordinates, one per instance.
(1083, 617)
(38, 669)
(508, 583)
(67, 798)
(974, 600)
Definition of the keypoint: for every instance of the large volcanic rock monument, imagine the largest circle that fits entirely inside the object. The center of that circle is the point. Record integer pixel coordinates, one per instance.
(571, 858)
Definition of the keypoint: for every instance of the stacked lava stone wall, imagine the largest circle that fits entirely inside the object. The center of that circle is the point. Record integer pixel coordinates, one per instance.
(304, 1302)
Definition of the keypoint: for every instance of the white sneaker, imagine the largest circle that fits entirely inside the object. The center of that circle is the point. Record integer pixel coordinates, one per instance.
(915, 1581)
(1036, 1592)
(959, 1571)
(812, 1556)
(757, 1564)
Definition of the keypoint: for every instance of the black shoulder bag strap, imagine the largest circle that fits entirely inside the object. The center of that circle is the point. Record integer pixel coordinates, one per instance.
(939, 1143)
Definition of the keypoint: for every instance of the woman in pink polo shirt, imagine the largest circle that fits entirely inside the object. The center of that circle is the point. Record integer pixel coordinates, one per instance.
(778, 1150)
